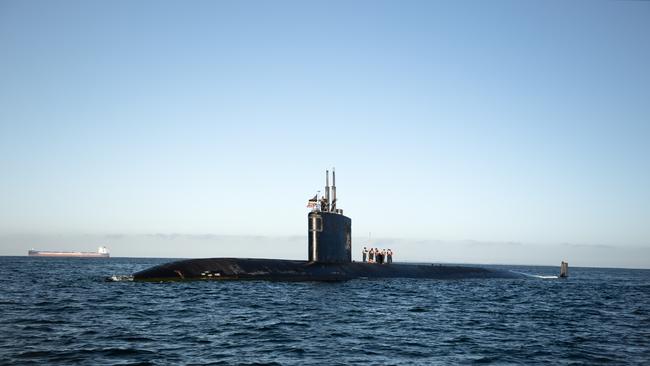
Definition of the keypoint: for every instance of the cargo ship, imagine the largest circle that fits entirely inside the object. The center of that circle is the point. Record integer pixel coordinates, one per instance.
(102, 252)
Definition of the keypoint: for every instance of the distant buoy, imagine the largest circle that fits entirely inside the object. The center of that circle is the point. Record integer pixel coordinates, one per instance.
(564, 269)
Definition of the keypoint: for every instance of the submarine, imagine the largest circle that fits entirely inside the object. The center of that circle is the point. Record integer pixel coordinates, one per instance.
(329, 257)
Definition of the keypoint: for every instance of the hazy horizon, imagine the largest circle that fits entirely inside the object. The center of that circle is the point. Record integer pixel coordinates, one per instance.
(294, 247)
(448, 123)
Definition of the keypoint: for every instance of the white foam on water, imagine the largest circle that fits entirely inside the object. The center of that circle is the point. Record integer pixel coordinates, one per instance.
(537, 276)
(119, 278)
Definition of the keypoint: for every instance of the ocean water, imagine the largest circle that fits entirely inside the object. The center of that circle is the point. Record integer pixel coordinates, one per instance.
(61, 311)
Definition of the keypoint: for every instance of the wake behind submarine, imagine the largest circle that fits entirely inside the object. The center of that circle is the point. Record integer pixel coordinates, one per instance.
(329, 257)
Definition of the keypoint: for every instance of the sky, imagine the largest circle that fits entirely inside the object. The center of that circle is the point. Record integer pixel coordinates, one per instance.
(461, 131)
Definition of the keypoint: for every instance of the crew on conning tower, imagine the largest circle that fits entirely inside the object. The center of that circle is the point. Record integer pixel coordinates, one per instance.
(330, 237)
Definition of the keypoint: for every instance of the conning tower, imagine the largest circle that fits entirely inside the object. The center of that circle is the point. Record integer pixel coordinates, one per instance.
(330, 233)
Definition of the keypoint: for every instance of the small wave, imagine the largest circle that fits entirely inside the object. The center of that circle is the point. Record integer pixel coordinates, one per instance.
(419, 309)
(34, 354)
(118, 352)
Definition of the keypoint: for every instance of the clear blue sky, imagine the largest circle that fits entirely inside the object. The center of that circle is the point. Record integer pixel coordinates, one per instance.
(500, 121)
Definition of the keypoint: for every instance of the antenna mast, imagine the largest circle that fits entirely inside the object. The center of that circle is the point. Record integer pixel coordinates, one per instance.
(327, 190)
(333, 191)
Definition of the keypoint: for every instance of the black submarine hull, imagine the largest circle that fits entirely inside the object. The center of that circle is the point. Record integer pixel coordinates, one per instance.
(295, 270)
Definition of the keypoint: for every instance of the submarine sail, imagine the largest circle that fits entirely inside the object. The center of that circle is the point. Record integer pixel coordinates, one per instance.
(329, 232)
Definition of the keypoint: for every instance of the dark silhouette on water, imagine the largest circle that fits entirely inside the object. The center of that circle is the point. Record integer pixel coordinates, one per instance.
(329, 257)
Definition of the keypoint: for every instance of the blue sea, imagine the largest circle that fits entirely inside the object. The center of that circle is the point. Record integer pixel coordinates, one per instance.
(62, 311)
